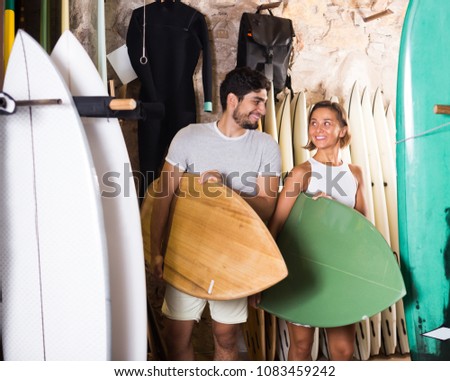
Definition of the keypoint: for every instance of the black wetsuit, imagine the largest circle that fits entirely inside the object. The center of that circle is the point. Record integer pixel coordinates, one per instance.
(175, 36)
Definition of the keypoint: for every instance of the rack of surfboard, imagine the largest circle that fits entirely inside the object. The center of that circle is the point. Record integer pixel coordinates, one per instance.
(72, 263)
(372, 128)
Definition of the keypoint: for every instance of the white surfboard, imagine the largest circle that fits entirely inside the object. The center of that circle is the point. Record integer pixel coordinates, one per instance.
(299, 114)
(388, 316)
(359, 156)
(402, 339)
(101, 41)
(390, 179)
(390, 118)
(270, 120)
(345, 152)
(358, 144)
(55, 285)
(387, 165)
(270, 327)
(120, 205)
(367, 330)
(285, 134)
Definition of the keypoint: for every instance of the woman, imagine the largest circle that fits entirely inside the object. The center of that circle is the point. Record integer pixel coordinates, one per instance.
(324, 175)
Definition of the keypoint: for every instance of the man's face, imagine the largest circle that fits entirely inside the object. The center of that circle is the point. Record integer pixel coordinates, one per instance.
(250, 109)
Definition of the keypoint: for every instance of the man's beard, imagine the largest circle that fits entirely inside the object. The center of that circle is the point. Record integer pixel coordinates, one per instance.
(242, 121)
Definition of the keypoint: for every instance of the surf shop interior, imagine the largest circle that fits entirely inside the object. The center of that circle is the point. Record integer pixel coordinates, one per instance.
(337, 45)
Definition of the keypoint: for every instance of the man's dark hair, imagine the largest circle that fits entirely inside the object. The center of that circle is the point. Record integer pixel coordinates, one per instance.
(240, 82)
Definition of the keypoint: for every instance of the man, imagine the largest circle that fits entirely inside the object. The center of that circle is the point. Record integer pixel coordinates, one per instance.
(229, 151)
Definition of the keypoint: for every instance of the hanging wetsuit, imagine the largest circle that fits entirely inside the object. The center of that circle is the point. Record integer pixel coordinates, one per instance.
(175, 35)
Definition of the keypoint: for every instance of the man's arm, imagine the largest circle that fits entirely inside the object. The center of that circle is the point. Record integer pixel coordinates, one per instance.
(165, 190)
(265, 200)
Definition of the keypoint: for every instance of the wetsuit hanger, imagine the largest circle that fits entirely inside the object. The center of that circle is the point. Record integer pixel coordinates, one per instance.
(144, 58)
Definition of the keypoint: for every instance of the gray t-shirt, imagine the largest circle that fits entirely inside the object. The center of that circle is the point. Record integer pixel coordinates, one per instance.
(202, 147)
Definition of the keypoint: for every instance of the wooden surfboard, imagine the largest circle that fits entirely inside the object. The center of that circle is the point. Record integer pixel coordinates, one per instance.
(259, 333)
(255, 335)
(217, 248)
(119, 202)
(353, 267)
(55, 285)
(422, 177)
(388, 316)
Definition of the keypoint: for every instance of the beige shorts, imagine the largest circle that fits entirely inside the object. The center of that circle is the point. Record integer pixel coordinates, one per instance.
(180, 306)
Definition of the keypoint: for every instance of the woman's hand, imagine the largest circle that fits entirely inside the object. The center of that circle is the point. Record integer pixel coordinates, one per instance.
(322, 195)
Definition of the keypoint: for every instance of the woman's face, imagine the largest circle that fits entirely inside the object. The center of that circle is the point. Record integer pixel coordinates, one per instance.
(324, 129)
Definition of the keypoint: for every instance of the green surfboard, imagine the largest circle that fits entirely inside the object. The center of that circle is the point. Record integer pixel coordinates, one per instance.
(340, 268)
(423, 166)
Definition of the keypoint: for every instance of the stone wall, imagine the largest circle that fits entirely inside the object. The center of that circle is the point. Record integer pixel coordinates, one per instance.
(334, 46)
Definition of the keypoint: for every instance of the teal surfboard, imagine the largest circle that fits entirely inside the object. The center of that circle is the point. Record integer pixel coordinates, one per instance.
(340, 268)
(423, 167)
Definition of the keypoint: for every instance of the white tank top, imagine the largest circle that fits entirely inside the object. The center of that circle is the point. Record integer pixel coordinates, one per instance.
(338, 182)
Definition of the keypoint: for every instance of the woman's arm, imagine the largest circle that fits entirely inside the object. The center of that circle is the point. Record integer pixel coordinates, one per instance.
(295, 183)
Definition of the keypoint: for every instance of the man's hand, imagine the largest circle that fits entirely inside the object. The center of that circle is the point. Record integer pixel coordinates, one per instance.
(212, 176)
(156, 266)
(254, 300)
